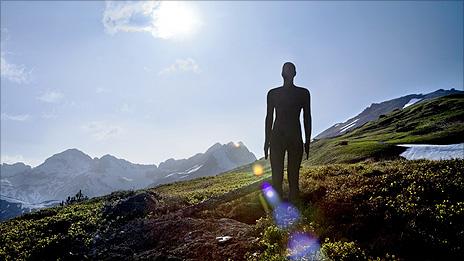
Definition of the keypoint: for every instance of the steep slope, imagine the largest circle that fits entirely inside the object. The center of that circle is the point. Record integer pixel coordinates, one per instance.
(435, 121)
(375, 110)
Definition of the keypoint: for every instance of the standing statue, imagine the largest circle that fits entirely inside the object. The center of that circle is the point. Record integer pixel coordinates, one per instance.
(284, 134)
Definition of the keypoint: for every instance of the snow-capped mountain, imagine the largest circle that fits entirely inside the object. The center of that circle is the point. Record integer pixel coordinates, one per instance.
(375, 110)
(218, 158)
(65, 173)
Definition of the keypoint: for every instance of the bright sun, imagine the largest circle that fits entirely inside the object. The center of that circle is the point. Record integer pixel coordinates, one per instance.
(175, 20)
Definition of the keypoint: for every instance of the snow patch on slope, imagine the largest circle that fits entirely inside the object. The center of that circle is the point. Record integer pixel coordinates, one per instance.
(433, 152)
(194, 168)
(127, 179)
(411, 102)
(348, 126)
(187, 171)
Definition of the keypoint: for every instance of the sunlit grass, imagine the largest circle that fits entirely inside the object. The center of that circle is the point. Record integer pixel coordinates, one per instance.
(406, 209)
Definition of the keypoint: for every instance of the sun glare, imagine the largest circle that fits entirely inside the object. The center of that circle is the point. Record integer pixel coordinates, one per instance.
(175, 20)
(258, 170)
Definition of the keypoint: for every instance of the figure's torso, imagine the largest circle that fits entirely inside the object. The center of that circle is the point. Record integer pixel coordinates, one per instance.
(288, 102)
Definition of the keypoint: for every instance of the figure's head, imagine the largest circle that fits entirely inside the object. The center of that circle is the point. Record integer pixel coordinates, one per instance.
(288, 70)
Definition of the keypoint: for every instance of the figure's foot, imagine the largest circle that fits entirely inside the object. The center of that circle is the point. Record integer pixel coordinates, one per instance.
(295, 200)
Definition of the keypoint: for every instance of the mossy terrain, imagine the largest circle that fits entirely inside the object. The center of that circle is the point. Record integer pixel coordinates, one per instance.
(401, 209)
(438, 121)
(200, 189)
(53, 233)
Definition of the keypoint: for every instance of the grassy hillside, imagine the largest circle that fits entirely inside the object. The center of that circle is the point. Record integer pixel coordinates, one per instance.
(366, 210)
(411, 210)
(197, 190)
(438, 121)
(73, 231)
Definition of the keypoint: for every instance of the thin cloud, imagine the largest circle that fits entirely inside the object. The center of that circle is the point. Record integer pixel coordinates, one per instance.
(51, 97)
(18, 117)
(13, 72)
(163, 19)
(17, 73)
(129, 16)
(102, 130)
(185, 65)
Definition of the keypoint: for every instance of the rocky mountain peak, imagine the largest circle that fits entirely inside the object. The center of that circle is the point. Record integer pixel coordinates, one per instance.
(70, 154)
(69, 160)
(216, 146)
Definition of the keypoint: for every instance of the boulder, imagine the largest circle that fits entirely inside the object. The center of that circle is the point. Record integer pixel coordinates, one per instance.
(138, 205)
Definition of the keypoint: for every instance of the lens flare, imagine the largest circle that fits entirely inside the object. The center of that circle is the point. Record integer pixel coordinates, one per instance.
(258, 170)
(266, 185)
(270, 194)
(264, 203)
(302, 246)
(285, 215)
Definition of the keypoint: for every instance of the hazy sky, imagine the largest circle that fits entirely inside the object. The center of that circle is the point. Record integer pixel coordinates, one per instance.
(149, 81)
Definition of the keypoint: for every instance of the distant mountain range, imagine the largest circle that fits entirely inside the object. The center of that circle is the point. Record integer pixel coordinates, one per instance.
(374, 111)
(64, 174)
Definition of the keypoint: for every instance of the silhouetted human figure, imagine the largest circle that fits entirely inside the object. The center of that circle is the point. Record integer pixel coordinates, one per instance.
(285, 134)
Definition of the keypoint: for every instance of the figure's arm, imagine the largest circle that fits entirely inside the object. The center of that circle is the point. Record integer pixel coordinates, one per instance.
(307, 121)
(269, 121)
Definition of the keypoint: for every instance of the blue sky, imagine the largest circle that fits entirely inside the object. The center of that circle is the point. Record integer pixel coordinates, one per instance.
(150, 81)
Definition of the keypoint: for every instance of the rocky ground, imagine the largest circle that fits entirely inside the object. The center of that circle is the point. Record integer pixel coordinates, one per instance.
(150, 226)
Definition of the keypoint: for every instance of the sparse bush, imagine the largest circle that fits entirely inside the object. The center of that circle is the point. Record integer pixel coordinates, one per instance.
(342, 251)
(79, 197)
(271, 242)
(66, 233)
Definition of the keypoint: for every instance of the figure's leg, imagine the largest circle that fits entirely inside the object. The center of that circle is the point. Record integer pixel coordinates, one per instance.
(277, 164)
(295, 154)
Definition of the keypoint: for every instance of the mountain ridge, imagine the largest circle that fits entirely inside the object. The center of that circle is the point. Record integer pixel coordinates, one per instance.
(65, 173)
(434, 121)
(375, 110)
